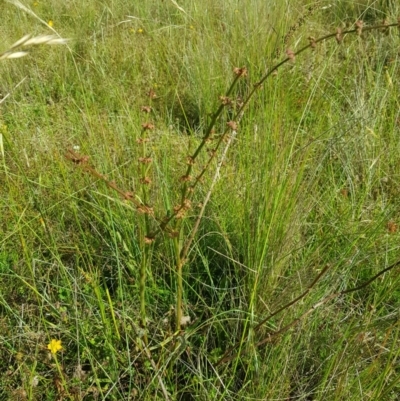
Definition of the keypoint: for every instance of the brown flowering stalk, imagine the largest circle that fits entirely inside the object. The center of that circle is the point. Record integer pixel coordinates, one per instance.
(189, 180)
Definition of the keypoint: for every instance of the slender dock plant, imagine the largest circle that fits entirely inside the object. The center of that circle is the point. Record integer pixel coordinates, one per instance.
(172, 223)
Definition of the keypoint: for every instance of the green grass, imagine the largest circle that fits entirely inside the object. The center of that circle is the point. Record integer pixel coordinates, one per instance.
(309, 185)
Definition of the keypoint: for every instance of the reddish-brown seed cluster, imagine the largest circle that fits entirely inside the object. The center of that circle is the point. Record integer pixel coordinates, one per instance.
(291, 55)
(240, 72)
(359, 27)
(185, 178)
(146, 109)
(147, 126)
(142, 140)
(128, 195)
(225, 100)
(148, 240)
(172, 233)
(145, 210)
(339, 36)
(76, 158)
(232, 125)
(145, 180)
(212, 152)
(181, 210)
(151, 94)
(392, 227)
(145, 160)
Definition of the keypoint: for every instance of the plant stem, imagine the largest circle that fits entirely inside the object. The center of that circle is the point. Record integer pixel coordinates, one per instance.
(179, 283)
(142, 291)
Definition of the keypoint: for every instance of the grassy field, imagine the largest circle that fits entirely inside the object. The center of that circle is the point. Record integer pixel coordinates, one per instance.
(176, 227)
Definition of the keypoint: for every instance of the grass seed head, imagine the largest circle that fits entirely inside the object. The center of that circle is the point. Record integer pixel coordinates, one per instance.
(9, 55)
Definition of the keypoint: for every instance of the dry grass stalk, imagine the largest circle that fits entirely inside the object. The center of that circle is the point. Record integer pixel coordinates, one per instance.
(15, 50)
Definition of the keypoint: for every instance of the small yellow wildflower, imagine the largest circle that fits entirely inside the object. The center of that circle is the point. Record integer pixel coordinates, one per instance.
(191, 27)
(35, 4)
(50, 23)
(54, 346)
(140, 30)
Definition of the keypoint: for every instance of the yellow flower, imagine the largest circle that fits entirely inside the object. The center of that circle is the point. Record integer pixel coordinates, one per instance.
(35, 4)
(54, 346)
(50, 23)
(140, 30)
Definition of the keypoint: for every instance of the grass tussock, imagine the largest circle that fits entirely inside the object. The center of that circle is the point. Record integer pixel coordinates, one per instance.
(199, 202)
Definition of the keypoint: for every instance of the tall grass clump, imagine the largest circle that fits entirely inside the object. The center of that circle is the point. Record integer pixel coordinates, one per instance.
(199, 204)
